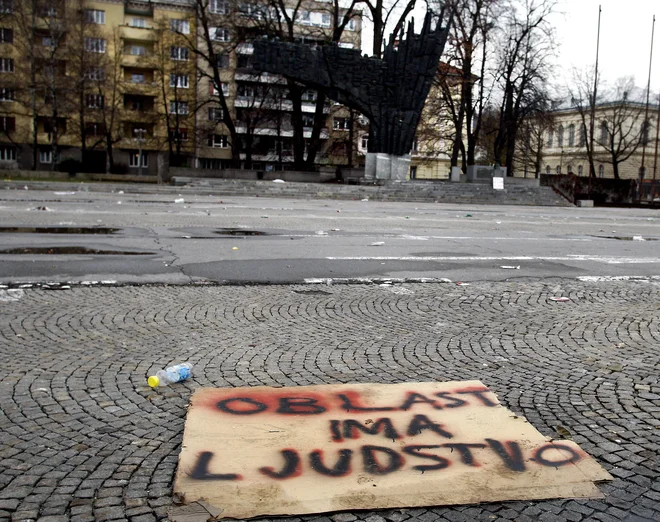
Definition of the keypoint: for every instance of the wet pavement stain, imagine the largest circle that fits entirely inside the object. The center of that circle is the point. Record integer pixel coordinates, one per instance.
(69, 250)
(58, 230)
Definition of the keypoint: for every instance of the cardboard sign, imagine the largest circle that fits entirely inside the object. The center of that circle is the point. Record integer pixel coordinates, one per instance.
(311, 449)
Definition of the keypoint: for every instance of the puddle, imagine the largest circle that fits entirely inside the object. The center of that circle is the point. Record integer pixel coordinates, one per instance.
(628, 238)
(64, 250)
(239, 232)
(58, 230)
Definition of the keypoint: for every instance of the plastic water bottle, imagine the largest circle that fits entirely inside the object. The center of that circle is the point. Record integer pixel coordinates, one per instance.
(177, 373)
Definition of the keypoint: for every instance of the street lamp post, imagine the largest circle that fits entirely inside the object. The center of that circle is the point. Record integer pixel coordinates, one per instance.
(139, 137)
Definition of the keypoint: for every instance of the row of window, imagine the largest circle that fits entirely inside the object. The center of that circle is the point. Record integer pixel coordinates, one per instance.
(580, 170)
(603, 136)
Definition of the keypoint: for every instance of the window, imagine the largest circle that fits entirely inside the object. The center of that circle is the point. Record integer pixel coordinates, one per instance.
(137, 78)
(7, 153)
(180, 81)
(138, 50)
(180, 26)
(7, 95)
(254, 11)
(350, 25)
(49, 12)
(308, 120)
(211, 163)
(580, 170)
(560, 136)
(305, 17)
(340, 124)
(571, 135)
(178, 107)
(140, 23)
(309, 96)
(96, 73)
(244, 61)
(547, 169)
(7, 123)
(219, 34)
(137, 159)
(601, 171)
(222, 60)
(47, 41)
(95, 45)
(569, 169)
(179, 53)
(645, 132)
(325, 19)
(95, 129)
(6, 65)
(95, 16)
(6, 35)
(178, 135)
(45, 156)
(558, 169)
(642, 173)
(603, 132)
(246, 91)
(94, 101)
(415, 145)
(413, 172)
(550, 137)
(583, 135)
(364, 142)
(225, 89)
(215, 114)
(220, 7)
(218, 141)
(6, 6)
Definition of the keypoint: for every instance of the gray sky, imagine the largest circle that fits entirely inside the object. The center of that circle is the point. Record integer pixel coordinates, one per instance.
(625, 38)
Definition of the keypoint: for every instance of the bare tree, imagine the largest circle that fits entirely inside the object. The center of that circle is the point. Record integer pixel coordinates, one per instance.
(531, 145)
(210, 43)
(41, 37)
(467, 53)
(176, 85)
(622, 127)
(582, 99)
(523, 71)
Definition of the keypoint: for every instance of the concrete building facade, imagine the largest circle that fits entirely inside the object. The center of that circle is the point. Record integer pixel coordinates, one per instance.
(119, 86)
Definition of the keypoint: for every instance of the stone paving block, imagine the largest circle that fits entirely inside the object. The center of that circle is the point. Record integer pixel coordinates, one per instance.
(114, 443)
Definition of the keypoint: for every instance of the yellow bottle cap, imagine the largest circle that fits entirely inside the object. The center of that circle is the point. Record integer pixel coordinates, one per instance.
(153, 381)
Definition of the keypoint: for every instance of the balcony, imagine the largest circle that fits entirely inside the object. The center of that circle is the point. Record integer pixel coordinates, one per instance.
(140, 89)
(137, 60)
(284, 132)
(286, 105)
(137, 33)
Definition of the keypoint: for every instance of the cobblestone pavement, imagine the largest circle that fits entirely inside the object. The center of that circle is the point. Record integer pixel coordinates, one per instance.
(83, 438)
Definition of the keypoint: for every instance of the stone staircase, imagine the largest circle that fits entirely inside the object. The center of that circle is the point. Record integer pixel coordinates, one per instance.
(439, 192)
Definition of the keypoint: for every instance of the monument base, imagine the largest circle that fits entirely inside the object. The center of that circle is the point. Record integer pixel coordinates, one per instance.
(387, 167)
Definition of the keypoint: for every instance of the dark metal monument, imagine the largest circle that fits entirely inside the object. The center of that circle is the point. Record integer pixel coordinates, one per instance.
(391, 92)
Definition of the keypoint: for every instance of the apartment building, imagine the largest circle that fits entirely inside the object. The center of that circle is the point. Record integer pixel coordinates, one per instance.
(121, 87)
(260, 104)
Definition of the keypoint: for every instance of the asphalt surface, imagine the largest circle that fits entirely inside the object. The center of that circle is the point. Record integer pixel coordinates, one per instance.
(569, 339)
(264, 240)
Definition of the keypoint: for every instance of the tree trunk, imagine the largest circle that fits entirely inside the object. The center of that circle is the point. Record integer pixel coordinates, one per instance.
(296, 120)
(315, 140)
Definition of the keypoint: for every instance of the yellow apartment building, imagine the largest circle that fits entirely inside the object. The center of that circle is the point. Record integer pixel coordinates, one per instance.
(118, 86)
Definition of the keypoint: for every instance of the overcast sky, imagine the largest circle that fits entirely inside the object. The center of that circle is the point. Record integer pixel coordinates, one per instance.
(625, 38)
